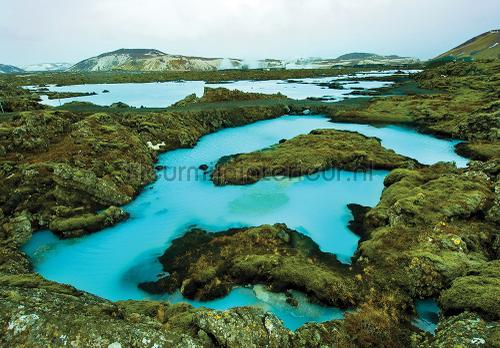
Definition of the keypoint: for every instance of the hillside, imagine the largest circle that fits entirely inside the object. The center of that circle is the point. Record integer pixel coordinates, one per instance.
(486, 45)
(361, 58)
(351, 59)
(148, 60)
(9, 69)
(48, 67)
(154, 60)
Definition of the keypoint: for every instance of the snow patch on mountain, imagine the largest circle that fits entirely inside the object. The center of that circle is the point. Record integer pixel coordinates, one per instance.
(48, 67)
(9, 69)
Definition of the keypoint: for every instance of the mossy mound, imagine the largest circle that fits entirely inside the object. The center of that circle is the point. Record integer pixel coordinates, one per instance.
(206, 265)
(307, 154)
(83, 224)
(430, 227)
(218, 95)
(478, 291)
(464, 330)
(479, 150)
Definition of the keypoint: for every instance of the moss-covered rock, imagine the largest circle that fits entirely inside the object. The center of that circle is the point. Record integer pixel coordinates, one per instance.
(478, 291)
(464, 330)
(482, 151)
(208, 265)
(19, 229)
(104, 192)
(217, 95)
(307, 154)
(83, 224)
(429, 228)
(319, 335)
(35, 312)
(410, 196)
(249, 327)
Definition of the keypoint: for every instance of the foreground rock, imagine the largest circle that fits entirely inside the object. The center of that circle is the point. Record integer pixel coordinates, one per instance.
(307, 154)
(478, 291)
(206, 265)
(35, 312)
(464, 330)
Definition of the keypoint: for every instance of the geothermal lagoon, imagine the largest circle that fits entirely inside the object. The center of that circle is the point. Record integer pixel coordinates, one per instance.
(112, 262)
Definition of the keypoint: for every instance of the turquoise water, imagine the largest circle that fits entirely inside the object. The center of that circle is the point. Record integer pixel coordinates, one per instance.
(428, 315)
(112, 262)
(155, 95)
(167, 93)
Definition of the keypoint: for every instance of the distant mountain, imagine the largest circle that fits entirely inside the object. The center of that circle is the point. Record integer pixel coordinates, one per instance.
(147, 60)
(362, 58)
(486, 45)
(358, 56)
(154, 60)
(48, 67)
(350, 59)
(10, 69)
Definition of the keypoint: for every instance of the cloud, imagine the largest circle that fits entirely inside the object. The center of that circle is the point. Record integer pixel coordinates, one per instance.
(55, 30)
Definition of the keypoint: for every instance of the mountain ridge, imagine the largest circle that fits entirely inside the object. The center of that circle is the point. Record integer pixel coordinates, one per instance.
(485, 45)
(9, 69)
(156, 60)
(145, 60)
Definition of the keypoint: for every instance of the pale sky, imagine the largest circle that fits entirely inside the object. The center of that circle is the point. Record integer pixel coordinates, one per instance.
(35, 31)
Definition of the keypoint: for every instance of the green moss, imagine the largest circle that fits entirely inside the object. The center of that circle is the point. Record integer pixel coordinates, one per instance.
(482, 151)
(307, 154)
(466, 108)
(83, 224)
(429, 228)
(208, 265)
(409, 198)
(478, 292)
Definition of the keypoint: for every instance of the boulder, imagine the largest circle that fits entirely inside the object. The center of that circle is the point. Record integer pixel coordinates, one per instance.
(19, 229)
(464, 330)
(83, 224)
(243, 327)
(101, 191)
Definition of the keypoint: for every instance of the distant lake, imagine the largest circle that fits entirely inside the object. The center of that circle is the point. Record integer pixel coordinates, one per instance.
(163, 94)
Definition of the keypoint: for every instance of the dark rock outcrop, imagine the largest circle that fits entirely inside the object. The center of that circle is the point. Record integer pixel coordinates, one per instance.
(206, 265)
